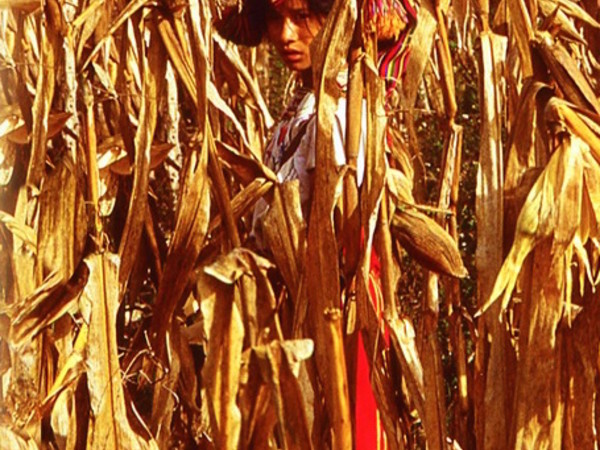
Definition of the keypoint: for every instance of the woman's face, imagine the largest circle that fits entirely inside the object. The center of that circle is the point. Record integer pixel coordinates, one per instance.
(291, 27)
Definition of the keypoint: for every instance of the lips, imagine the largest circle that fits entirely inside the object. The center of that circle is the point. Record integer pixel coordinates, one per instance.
(292, 56)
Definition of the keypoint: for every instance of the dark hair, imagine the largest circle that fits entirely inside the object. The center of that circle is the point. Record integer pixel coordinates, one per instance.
(321, 7)
(248, 26)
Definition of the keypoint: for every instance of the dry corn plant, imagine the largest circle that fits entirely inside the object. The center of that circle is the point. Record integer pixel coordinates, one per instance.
(137, 311)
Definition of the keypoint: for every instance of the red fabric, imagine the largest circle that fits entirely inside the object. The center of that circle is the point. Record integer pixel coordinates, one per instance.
(369, 432)
(366, 408)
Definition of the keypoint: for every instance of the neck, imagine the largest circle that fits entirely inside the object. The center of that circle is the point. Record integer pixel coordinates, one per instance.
(306, 78)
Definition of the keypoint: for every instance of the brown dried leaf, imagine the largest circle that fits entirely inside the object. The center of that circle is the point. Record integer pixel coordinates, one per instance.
(524, 134)
(56, 123)
(27, 6)
(62, 223)
(185, 70)
(553, 208)
(73, 367)
(243, 201)
(284, 230)
(244, 168)
(44, 93)
(276, 361)
(158, 153)
(330, 50)
(221, 371)
(233, 56)
(565, 70)
(50, 301)
(11, 121)
(421, 45)
(153, 72)
(129, 10)
(188, 238)
(21, 231)
(110, 426)
(14, 441)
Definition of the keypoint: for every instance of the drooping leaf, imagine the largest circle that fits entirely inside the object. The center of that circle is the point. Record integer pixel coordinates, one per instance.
(109, 424)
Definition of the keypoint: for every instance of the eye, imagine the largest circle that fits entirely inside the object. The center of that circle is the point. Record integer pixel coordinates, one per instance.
(302, 15)
(272, 15)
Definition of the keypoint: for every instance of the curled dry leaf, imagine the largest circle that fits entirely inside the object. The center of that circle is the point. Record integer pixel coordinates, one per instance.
(244, 201)
(400, 186)
(14, 441)
(21, 231)
(108, 188)
(284, 231)
(8, 156)
(153, 72)
(275, 361)
(564, 68)
(11, 121)
(323, 271)
(553, 208)
(50, 301)
(221, 371)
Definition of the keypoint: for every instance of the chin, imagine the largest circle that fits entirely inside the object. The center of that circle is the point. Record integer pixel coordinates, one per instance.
(298, 67)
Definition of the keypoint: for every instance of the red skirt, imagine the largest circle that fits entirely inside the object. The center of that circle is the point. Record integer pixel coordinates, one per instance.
(369, 428)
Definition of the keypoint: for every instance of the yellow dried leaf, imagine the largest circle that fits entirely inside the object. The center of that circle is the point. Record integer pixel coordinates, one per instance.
(552, 209)
(21, 231)
(110, 427)
(221, 371)
(153, 70)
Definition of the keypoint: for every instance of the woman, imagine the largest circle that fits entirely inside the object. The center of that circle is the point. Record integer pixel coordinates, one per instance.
(290, 26)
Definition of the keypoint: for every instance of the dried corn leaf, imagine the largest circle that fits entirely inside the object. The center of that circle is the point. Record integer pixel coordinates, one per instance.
(27, 6)
(553, 208)
(538, 410)
(522, 24)
(323, 267)
(43, 100)
(121, 165)
(127, 12)
(109, 424)
(50, 301)
(62, 227)
(233, 56)
(188, 238)
(8, 156)
(244, 201)
(524, 134)
(245, 168)
(567, 74)
(21, 231)
(63, 418)
(284, 230)
(421, 45)
(185, 70)
(73, 367)
(276, 362)
(14, 441)
(11, 120)
(153, 70)
(108, 188)
(221, 371)
(568, 11)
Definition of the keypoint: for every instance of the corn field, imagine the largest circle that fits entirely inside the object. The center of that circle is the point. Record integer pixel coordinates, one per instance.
(137, 311)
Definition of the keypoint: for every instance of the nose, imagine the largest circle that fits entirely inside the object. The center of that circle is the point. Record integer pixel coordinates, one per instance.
(289, 32)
